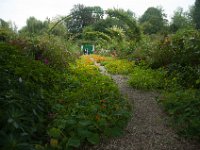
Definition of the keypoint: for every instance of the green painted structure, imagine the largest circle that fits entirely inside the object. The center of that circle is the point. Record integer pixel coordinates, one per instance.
(87, 48)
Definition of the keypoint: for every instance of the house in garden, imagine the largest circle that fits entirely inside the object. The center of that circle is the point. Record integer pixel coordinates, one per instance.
(87, 48)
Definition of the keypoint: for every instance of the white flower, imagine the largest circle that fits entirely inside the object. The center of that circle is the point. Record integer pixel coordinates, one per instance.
(20, 79)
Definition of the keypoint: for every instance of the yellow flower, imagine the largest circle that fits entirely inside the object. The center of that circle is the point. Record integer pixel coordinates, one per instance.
(53, 142)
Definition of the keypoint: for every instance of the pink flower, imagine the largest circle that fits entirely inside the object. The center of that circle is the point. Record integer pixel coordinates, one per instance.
(46, 61)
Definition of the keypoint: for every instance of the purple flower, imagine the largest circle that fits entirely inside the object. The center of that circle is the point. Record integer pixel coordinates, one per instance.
(46, 61)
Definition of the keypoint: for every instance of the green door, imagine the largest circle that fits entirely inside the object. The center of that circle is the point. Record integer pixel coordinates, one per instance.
(87, 48)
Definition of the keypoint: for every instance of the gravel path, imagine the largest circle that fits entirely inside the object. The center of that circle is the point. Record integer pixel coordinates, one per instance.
(147, 129)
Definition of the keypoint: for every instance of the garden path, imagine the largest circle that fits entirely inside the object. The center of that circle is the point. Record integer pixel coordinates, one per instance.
(147, 128)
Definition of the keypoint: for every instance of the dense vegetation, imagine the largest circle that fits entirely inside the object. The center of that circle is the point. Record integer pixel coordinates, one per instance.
(51, 97)
(41, 105)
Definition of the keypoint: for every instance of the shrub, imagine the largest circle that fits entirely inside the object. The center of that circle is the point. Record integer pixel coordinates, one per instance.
(147, 78)
(91, 107)
(45, 108)
(6, 34)
(186, 76)
(115, 66)
(186, 45)
(181, 48)
(53, 51)
(98, 58)
(183, 107)
(28, 89)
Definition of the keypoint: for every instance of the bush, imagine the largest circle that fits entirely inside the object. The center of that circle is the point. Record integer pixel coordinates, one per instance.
(147, 78)
(28, 89)
(91, 107)
(6, 34)
(115, 66)
(183, 108)
(45, 108)
(186, 76)
(186, 45)
(181, 48)
(53, 51)
(143, 49)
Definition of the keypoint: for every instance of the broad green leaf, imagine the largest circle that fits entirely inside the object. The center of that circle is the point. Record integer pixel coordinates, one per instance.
(54, 132)
(114, 132)
(84, 133)
(94, 138)
(71, 122)
(74, 142)
(84, 122)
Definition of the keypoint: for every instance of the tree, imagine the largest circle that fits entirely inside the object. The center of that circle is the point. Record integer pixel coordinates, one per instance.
(153, 20)
(196, 14)
(180, 20)
(4, 24)
(57, 26)
(131, 29)
(82, 16)
(34, 26)
(6, 31)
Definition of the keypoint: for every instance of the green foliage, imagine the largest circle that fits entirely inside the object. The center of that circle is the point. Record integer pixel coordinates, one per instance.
(6, 34)
(153, 20)
(115, 66)
(147, 78)
(181, 48)
(144, 48)
(39, 102)
(133, 30)
(4, 24)
(185, 47)
(57, 27)
(186, 76)
(117, 33)
(84, 117)
(28, 87)
(54, 51)
(34, 26)
(104, 24)
(96, 35)
(196, 14)
(183, 108)
(82, 16)
(180, 20)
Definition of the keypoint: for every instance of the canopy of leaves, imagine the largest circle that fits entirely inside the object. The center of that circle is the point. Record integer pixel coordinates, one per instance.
(96, 35)
(3, 24)
(34, 26)
(153, 20)
(196, 14)
(108, 22)
(58, 27)
(82, 16)
(180, 20)
(117, 33)
(133, 30)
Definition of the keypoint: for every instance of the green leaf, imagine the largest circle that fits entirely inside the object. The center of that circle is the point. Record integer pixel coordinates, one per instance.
(85, 122)
(114, 132)
(94, 138)
(54, 132)
(71, 122)
(82, 132)
(74, 142)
